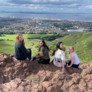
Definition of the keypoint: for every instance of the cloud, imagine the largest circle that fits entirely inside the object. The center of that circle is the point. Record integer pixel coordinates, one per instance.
(47, 3)
(42, 1)
(72, 6)
(88, 6)
(61, 4)
(52, 3)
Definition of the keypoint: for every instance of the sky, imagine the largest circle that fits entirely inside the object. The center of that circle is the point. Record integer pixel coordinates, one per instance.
(46, 6)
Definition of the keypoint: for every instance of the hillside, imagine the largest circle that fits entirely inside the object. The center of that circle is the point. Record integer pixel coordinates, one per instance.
(25, 76)
(82, 42)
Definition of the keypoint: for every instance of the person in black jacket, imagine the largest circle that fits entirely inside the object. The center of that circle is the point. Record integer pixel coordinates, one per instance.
(21, 53)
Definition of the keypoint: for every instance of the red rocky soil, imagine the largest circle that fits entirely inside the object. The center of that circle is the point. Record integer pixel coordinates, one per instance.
(29, 76)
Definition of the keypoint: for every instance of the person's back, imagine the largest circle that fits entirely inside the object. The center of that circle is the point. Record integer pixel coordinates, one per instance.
(20, 51)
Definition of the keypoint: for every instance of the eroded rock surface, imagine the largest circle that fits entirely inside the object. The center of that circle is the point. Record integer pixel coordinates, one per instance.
(29, 76)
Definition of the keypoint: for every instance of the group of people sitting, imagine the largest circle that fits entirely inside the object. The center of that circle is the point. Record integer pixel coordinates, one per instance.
(43, 57)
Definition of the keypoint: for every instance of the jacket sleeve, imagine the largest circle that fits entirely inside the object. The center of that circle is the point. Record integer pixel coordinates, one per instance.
(23, 49)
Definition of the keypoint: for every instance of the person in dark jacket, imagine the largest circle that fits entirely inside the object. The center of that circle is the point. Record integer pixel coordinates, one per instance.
(21, 53)
(43, 54)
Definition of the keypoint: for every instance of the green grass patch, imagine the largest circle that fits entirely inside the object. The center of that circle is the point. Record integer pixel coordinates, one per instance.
(82, 43)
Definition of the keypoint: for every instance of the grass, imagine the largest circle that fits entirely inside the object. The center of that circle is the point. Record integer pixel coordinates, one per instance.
(7, 47)
(82, 43)
(7, 42)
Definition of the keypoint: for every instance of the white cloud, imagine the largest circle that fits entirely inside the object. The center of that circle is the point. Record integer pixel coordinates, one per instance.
(50, 5)
(88, 6)
(46, 0)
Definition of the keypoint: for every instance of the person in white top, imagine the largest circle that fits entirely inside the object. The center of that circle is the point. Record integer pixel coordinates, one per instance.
(59, 55)
(73, 58)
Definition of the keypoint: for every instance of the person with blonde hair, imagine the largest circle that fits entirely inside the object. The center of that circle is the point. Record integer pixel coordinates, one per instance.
(73, 59)
(21, 53)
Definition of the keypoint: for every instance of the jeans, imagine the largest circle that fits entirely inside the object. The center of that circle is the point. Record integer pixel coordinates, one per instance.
(74, 65)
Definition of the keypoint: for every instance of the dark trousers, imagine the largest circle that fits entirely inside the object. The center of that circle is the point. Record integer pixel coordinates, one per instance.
(74, 65)
(44, 61)
(40, 60)
(29, 53)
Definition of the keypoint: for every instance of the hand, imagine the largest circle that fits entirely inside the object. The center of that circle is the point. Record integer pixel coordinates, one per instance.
(68, 66)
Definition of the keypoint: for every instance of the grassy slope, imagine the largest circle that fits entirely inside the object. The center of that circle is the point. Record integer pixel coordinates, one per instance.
(31, 36)
(8, 41)
(7, 47)
(81, 41)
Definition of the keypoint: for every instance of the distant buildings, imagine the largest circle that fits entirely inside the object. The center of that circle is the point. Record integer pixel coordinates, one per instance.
(14, 25)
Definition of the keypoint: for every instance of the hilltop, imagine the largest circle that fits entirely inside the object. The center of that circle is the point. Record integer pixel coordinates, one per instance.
(25, 76)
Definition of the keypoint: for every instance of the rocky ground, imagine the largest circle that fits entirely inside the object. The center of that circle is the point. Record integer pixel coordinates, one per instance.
(25, 76)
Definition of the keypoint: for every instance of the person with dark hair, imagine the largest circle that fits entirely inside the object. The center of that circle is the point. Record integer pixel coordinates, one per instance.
(59, 55)
(73, 59)
(43, 54)
(21, 53)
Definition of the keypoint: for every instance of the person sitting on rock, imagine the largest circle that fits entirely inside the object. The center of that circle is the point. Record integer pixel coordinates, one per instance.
(43, 54)
(59, 55)
(21, 53)
(73, 59)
